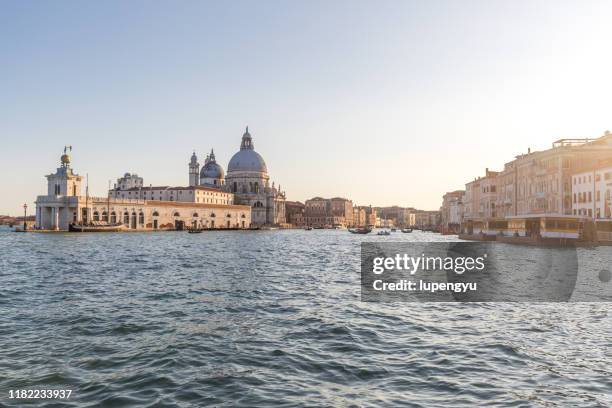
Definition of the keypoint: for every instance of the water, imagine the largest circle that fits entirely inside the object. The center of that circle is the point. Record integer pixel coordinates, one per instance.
(272, 318)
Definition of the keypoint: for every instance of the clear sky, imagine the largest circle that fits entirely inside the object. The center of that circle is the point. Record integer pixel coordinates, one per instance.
(381, 102)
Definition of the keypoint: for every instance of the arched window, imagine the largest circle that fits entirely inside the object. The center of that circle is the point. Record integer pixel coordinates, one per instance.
(176, 214)
(213, 215)
(126, 218)
(195, 215)
(104, 216)
(258, 204)
(96, 216)
(229, 215)
(113, 217)
(141, 218)
(155, 214)
(256, 188)
(243, 216)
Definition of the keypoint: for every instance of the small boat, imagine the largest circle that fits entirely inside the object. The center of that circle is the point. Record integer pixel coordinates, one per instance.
(393, 229)
(383, 233)
(195, 231)
(360, 230)
(407, 230)
(96, 227)
(308, 229)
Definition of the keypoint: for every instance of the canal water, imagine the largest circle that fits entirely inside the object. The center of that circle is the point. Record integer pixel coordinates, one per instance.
(275, 318)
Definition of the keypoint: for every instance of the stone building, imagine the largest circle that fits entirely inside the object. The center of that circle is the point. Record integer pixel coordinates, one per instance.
(451, 213)
(136, 207)
(247, 178)
(294, 211)
(359, 217)
(541, 182)
(592, 191)
(328, 212)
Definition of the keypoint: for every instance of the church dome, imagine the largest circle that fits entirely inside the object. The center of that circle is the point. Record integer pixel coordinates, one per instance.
(247, 159)
(212, 170)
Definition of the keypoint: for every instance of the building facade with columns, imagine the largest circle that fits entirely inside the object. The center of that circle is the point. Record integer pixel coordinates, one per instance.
(134, 206)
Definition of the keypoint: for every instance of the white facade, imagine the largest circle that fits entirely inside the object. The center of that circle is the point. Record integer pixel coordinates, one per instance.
(129, 181)
(591, 193)
(191, 194)
(136, 208)
(247, 178)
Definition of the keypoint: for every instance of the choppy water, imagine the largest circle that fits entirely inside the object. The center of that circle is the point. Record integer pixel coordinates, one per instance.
(272, 319)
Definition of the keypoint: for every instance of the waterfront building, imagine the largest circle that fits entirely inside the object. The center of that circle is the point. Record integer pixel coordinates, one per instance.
(137, 207)
(481, 196)
(294, 211)
(542, 192)
(359, 217)
(451, 213)
(427, 219)
(324, 212)
(247, 178)
(399, 215)
(592, 192)
(541, 182)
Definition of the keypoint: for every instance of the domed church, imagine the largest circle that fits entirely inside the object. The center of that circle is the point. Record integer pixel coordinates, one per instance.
(247, 178)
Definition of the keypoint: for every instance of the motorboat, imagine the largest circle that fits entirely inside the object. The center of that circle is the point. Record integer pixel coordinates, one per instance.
(364, 230)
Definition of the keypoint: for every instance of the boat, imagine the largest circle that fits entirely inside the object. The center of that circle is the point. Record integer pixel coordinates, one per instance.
(360, 230)
(406, 230)
(195, 230)
(308, 229)
(393, 229)
(96, 227)
(383, 233)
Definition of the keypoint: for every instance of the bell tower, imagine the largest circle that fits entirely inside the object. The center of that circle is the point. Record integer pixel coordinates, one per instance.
(194, 170)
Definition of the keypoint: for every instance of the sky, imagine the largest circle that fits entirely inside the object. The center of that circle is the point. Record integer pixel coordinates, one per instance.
(382, 102)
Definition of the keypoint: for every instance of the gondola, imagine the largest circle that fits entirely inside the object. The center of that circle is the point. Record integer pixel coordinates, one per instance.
(407, 230)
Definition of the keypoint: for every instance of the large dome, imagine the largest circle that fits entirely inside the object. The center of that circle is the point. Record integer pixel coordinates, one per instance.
(247, 159)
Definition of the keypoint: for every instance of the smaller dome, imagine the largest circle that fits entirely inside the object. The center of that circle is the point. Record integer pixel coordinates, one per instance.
(212, 170)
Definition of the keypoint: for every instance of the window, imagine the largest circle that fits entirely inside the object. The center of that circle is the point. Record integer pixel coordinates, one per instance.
(155, 214)
(141, 218)
(96, 216)
(176, 214)
(126, 218)
(113, 217)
